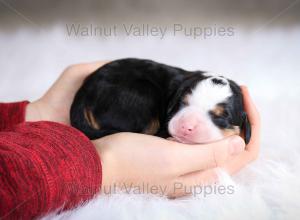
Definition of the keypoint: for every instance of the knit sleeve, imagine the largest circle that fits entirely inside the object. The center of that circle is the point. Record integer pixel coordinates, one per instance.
(44, 167)
(12, 114)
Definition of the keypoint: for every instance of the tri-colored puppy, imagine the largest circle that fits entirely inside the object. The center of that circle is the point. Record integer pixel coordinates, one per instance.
(143, 96)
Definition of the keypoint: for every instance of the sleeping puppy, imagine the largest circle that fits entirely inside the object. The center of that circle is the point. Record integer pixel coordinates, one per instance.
(143, 96)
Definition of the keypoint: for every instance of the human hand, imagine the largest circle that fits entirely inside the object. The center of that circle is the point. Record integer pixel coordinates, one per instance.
(135, 160)
(56, 103)
(252, 149)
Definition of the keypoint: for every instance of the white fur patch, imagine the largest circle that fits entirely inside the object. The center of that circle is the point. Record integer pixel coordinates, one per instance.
(207, 94)
(203, 98)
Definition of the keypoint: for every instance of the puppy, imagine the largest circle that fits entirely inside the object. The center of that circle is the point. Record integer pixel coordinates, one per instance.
(143, 96)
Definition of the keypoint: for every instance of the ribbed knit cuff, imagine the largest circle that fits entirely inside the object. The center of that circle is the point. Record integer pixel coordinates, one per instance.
(12, 114)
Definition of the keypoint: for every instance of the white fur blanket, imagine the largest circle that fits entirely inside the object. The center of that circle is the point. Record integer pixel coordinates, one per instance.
(267, 61)
(268, 189)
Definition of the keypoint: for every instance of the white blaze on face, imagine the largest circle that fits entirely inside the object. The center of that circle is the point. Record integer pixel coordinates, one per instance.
(208, 94)
(193, 124)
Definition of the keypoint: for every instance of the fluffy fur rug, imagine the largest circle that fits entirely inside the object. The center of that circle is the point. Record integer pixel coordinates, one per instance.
(267, 61)
(268, 189)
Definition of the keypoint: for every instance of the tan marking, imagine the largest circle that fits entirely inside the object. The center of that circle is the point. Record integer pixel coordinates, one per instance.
(91, 119)
(152, 127)
(229, 132)
(218, 110)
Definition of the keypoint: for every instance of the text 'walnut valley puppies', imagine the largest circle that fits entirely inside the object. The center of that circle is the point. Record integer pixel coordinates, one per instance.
(142, 96)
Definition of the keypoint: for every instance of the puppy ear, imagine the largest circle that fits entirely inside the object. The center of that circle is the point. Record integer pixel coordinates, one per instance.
(246, 127)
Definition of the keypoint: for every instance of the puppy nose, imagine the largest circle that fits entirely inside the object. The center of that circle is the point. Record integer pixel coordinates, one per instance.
(187, 129)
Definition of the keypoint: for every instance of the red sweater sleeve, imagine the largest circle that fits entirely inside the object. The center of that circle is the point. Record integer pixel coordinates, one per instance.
(11, 114)
(45, 166)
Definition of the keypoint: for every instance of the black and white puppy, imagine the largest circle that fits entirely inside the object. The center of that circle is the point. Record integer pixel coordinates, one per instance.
(143, 96)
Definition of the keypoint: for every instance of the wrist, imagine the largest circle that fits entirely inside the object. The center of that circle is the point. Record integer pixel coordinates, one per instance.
(32, 112)
(108, 163)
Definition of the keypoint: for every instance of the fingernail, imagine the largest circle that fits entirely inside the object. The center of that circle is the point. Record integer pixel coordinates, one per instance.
(237, 145)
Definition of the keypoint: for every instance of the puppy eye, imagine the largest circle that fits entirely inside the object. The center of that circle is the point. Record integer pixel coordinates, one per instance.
(225, 114)
(220, 122)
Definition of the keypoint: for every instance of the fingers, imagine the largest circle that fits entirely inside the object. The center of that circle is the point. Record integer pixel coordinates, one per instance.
(250, 107)
(93, 66)
(190, 158)
(254, 119)
(73, 76)
(252, 149)
(85, 68)
(71, 79)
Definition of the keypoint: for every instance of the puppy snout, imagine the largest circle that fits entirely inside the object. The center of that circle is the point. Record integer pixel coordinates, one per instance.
(188, 125)
(187, 129)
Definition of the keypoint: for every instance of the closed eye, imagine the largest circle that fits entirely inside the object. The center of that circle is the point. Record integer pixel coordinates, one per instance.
(225, 114)
(220, 122)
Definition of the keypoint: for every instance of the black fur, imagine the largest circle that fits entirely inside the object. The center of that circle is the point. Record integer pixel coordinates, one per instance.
(127, 95)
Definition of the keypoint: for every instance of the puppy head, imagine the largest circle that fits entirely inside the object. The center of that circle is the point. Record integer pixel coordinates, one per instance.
(206, 109)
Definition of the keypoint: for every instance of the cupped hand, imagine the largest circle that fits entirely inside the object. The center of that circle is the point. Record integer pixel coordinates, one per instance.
(171, 168)
(252, 149)
(132, 160)
(56, 103)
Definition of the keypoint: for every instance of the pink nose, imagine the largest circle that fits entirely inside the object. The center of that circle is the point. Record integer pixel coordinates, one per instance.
(187, 129)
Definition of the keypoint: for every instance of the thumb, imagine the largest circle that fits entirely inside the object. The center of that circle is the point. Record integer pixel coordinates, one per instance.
(191, 158)
(235, 145)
